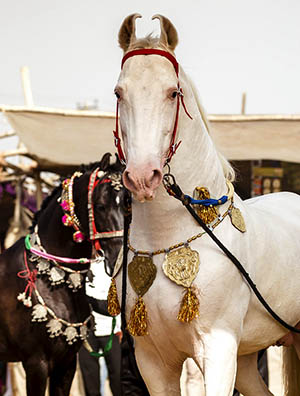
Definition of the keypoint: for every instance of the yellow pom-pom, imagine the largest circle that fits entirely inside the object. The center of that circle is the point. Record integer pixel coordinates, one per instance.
(137, 325)
(113, 305)
(189, 308)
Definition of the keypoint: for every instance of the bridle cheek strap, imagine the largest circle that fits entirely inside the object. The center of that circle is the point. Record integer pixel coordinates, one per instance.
(173, 146)
(117, 137)
(95, 236)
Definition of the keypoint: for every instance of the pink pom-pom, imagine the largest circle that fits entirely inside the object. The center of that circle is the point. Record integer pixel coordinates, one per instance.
(67, 220)
(78, 237)
(65, 205)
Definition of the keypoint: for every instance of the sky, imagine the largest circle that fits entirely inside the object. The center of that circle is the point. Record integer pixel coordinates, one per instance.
(227, 47)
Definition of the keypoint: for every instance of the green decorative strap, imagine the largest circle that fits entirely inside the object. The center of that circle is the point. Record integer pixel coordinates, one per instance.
(27, 242)
(108, 345)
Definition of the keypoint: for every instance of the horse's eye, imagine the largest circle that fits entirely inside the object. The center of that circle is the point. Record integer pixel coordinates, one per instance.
(99, 206)
(118, 96)
(174, 94)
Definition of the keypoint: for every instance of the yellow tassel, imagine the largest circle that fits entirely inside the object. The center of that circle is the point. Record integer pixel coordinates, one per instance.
(189, 308)
(137, 325)
(113, 305)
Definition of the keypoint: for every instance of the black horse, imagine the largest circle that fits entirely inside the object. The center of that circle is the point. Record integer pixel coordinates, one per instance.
(43, 322)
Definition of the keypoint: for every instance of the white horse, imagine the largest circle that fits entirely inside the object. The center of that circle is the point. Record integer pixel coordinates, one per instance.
(232, 325)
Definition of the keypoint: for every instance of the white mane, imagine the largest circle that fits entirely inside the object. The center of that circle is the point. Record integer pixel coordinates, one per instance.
(228, 170)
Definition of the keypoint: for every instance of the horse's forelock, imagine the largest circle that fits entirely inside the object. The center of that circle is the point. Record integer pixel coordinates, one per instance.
(148, 42)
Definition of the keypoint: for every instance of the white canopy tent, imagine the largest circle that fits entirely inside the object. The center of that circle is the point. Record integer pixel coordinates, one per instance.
(72, 137)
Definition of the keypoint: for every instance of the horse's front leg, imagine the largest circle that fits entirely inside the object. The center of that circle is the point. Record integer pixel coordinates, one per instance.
(248, 380)
(36, 369)
(162, 377)
(61, 378)
(220, 362)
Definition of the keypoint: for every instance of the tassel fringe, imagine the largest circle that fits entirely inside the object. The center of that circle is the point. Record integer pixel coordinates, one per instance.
(189, 308)
(112, 299)
(137, 325)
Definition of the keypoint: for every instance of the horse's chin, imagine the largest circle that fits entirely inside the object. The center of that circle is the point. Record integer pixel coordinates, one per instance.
(144, 196)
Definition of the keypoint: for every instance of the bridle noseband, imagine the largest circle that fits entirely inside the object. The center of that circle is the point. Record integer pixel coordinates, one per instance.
(173, 146)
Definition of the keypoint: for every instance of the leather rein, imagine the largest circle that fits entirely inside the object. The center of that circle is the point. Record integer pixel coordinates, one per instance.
(174, 190)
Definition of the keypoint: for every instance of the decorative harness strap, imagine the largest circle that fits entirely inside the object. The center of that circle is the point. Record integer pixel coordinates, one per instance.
(70, 219)
(95, 236)
(173, 146)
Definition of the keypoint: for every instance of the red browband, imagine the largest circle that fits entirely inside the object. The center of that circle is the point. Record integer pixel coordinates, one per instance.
(152, 51)
(173, 146)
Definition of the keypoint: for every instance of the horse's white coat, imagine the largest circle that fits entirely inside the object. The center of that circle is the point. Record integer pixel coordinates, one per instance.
(231, 322)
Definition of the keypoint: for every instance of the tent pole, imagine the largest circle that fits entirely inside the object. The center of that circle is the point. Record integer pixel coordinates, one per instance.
(26, 86)
(39, 193)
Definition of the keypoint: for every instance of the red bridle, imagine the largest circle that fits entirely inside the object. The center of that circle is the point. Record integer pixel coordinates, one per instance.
(173, 146)
(95, 235)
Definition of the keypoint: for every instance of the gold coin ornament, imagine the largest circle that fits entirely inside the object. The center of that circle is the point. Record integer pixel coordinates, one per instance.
(206, 213)
(141, 273)
(237, 219)
(182, 265)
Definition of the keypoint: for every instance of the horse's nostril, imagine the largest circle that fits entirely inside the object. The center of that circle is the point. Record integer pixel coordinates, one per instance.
(128, 182)
(156, 178)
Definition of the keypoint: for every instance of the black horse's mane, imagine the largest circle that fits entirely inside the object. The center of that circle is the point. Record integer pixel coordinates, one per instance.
(115, 167)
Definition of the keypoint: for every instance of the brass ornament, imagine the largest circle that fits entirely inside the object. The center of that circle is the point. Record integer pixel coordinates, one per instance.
(141, 272)
(182, 265)
(237, 219)
(113, 305)
(206, 213)
(138, 322)
(189, 307)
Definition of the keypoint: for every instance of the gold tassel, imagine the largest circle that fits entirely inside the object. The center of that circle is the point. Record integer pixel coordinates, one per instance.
(189, 308)
(113, 305)
(137, 325)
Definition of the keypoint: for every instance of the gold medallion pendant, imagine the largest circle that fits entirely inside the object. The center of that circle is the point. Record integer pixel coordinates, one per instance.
(206, 213)
(237, 219)
(181, 266)
(141, 273)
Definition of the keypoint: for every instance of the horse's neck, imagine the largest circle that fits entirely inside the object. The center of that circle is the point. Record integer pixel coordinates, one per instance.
(196, 163)
(56, 238)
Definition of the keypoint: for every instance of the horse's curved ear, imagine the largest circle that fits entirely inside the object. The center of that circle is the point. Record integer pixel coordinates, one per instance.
(105, 162)
(127, 31)
(168, 33)
(119, 163)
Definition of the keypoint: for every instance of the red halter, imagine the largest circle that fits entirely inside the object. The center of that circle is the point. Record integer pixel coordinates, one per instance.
(173, 146)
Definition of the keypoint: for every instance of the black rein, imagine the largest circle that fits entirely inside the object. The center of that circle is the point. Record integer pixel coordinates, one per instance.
(175, 191)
